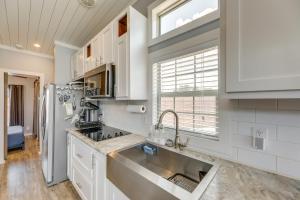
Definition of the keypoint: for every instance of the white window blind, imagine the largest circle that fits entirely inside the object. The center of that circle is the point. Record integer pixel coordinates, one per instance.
(188, 85)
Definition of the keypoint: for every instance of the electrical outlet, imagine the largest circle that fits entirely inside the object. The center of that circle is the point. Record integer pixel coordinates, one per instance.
(260, 136)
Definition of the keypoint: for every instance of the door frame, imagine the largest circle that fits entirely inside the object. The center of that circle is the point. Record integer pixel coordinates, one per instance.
(3, 135)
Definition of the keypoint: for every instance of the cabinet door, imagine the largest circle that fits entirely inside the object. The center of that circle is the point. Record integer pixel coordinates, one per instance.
(97, 50)
(80, 63)
(113, 193)
(108, 42)
(262, 45)
(122, 67)
(99, 176)
(83, 186)
(74, 72)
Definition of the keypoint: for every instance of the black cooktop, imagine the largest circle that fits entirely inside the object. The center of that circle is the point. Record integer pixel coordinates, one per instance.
(103, 133)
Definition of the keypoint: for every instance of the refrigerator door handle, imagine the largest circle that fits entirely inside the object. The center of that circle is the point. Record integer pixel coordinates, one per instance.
(42, 114)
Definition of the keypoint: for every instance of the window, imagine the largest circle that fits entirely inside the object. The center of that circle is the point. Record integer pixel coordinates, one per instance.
(188, 85)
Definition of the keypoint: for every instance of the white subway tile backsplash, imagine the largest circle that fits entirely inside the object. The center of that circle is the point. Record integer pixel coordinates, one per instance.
(282, 119)
(266, 117)
(242, 141)
(244, 115)
(287, 118)
(289, 134)
(288, 167)
(245, 128)
(284, 149)
(257, 159)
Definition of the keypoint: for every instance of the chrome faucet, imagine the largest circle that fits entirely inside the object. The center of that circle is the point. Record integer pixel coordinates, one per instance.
(159, 125)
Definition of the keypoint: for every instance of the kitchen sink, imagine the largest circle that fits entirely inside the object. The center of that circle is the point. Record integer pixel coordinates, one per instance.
(148, 171)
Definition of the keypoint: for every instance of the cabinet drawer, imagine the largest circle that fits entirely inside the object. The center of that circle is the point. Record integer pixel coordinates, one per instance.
(82, 185)
(83, 154)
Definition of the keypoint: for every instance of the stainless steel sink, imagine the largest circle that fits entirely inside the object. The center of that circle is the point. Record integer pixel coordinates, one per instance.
(159, 173)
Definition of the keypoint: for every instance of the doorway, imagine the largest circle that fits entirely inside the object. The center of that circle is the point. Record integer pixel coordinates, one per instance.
(33, 131)
(22, 103)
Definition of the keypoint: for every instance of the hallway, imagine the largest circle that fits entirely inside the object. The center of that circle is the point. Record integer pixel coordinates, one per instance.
(21, 177)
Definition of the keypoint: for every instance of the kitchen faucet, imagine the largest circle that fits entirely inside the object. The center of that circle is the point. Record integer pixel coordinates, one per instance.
(159, 126)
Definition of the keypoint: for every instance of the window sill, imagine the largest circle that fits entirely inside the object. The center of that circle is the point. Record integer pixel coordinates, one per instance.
(183, 29)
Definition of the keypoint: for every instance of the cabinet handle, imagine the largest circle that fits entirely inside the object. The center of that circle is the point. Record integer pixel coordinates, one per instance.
(78, 155)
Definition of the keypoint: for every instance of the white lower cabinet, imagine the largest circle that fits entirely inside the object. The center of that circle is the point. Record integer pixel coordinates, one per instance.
(113, 193)
(83, 184)
(86, 170)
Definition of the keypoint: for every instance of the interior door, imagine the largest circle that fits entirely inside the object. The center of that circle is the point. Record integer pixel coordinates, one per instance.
(5, 113)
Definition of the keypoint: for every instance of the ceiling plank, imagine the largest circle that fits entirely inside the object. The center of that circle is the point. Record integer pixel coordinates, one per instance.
(35, 16)
(13, 20)
(109, 15)
(4, 33)
(91, 24)
(101, 4)
(24, 12)
(67, 18)
(43, 21)
(56, 19)
(73, 25)
(47, 13)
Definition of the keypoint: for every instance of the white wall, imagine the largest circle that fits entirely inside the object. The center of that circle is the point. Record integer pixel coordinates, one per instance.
(25, 62)
(28, 84)
(62, 63)
(116, 115)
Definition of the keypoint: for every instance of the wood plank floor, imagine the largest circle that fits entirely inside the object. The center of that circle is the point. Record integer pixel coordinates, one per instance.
(21, 177)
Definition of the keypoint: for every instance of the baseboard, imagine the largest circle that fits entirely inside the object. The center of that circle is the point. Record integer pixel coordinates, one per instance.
(28, 134)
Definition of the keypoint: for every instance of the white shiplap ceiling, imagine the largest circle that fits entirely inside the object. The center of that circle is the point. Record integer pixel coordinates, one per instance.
(27, 22)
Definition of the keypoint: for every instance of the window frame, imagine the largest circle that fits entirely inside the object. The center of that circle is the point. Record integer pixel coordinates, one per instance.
(198, 43)
(155, 36)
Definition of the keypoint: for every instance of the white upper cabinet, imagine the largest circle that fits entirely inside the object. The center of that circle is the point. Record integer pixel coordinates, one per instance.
(122, 83)
(130, 29)
(77, 64)
(97, 50)
(108, 44)
(262, 45)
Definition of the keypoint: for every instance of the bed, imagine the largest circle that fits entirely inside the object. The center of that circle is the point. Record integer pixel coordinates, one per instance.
(15, 137)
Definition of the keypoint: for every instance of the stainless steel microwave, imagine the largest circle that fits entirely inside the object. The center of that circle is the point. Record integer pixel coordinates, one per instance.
(99, 82)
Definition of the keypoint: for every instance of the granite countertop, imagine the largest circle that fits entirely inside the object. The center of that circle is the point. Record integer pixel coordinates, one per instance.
(107, 146)
(232, 181)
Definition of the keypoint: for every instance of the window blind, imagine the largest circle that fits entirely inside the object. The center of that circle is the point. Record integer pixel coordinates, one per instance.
(188, 85)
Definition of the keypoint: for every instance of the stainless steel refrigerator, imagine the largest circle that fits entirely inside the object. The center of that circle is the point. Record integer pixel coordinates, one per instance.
(53, 131)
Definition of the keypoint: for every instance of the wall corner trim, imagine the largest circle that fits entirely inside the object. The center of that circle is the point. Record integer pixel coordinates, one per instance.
(62, 44)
